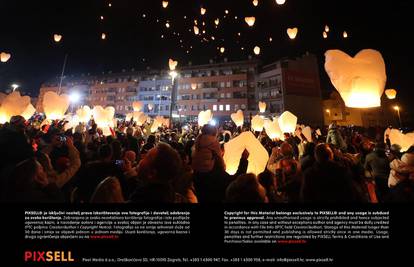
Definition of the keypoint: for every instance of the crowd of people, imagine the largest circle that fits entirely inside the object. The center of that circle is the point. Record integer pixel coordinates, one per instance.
(45, 163)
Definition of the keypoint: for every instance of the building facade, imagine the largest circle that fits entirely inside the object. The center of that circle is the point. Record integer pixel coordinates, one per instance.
(155, 94)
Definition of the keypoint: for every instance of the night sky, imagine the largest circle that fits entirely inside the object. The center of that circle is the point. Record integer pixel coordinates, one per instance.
(27, 29)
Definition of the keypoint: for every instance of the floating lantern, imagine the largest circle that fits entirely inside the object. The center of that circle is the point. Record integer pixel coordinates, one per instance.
(359, 80)
(150, 106)
(262, 106)
(325, 35)
(292, 32)
(287, 122)
(193, 86)
(103, 36)
(172, 64)
(204, 117)
(137, 105)
(57, 38)
(238, 118)
(280, 2)
(217, 21)
(250, 21)
(164, 4)
(391, 93)
(104, 118)
(345, 34)
(84, 114)
(167, 25)
(13, 104)
(405, 141)
(54, 105)
(222, 49)
(255, 2)
(203, 11)
(4, 57)
(256, 50)
(258, 155)
(272, 129)
(196, 30)
(257, 123)
(326, 28)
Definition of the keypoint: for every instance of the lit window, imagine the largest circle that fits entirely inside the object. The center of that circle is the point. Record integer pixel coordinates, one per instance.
(221, 107)
(227, 107)
(214, 107)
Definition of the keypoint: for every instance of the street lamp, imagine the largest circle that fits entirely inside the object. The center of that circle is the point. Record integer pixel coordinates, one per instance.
(397, 108)
(15, 86)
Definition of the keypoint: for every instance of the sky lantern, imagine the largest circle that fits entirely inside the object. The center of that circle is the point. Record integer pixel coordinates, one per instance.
(193, 86)
(164, 4)
(84, 114)
(360, 80)
(222, 49)
(270, 39)
(326, 28)
(172, 64)
(258, 155)
(255, 2)
(137, 105)
(345, 34)
(280, 2)
(391, 93)
(397, 137)
(226, 11)
(287, 122)
(167, 25)
(217, 21)
(257, 123)
(196, 30)
(204, 117)
(325, 35)
(238, 118)
(28, 112)
(102, 17)
(139, 117)
(250, 21)
(110, 5)
(57, 38)
(4, 57)
(272, 129)
(203, 11)
(103, 36)
(104, 118)
(256, 50)
(292, 32)
(262, 106)
(54, 105)
(13, 104)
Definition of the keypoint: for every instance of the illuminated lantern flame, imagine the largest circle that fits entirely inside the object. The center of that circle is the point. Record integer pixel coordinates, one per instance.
(391, 93)
(222, 49)
(196, 30)
(325, 35)
(204, 117)
(262, 106)
(250, 21)
(13, 104)
(345, 34)
(238, 118)
(203, 11)
(103, 36)
(137, 105)
(164, 4)
(84, 114)
(167, 25)
(4, 57)
(280, 2)
(359, 80)
(150, 106)
(405, 141)
(257, 123)
(57, 38)
(172, 64)
(104, 118)
(287, 122)
(256, 50)
(272, 129)
(217, 21)
(326, 28)
(54, 105)
(255, 2)
(193, 86)
(292, 32)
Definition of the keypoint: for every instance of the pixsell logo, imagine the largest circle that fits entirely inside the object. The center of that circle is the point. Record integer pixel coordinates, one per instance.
(48, 256)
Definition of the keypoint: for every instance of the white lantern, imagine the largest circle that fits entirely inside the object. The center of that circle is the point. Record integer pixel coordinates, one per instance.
(258, 155)
(84, 114)
(255, 2)
(345, 34)
(326, 28)
(204, 117)
(405, 141)
(57, 38)
(256, 50)
(150, 106)
(103, 36)
(4, 57)
(325, 35)
(272, 129)
(280, 2)
(262, 106)
(104, 118)
(203, 11)
(287, 122)
(292, 32)
(257, 123)
(250, 21)
(193, 86)
(196, 30)
(238, 118)
(137, 105)
(54, 105)
(13, 104)
(172, 64)
(222, 49)
(164, 4)
(167, 25)
(391, 93)
(359, 80)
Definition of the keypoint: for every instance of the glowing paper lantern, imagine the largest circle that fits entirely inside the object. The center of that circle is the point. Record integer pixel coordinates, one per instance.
(272, 129)
(167, 25)
(280, 2)
(226, 11)
(138, 117)
(57, 38)
(84, 114)
(262, 106)
(193, 86)
(325, 35)
(258, 155)
(256, 50)
(217, 21)
(172, 64)
(54, 105)
(257, 123)
(196, 30)
(104, 118)
(345, 34)
(103, 36)
(4, 57)
(292, 32)
(255, 2)
(238, 118)
(306, 131)
(137, 105)
(222, 49)
(359, 80)
(204, 117)
(13, 104)
(164, 4)
(391, 93)
(203, 11)
(326, 28)
(405, 141)
(287, 122)
(250, 21)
